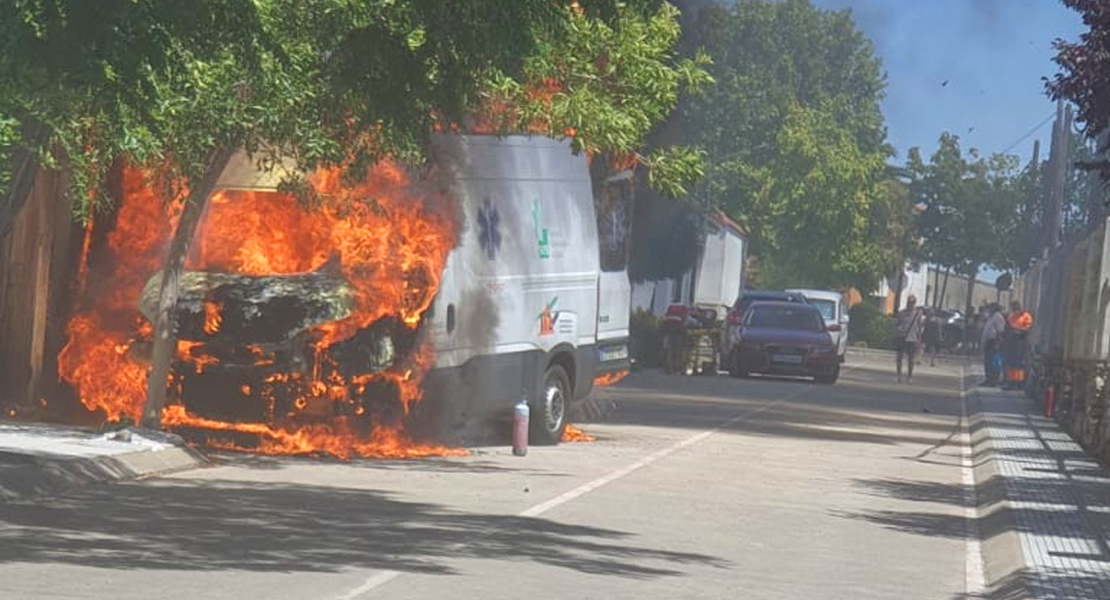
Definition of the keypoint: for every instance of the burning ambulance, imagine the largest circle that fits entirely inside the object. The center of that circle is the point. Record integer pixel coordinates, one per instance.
(531, 301)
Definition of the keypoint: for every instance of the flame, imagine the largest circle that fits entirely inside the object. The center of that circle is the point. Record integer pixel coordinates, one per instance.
(389, 242)
(96, 360)
(607, 379)
(212, 318)
(574, 434)
(335, 439)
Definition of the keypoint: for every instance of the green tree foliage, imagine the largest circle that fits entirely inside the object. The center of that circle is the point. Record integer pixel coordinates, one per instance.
(1084, 204)
(1084, 76)
(154, 78)
(975, 208)
(607, 85)
(794, 138)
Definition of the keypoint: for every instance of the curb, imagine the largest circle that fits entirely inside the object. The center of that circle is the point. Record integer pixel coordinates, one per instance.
(951, 358)
(26, 476)
(1003, 558)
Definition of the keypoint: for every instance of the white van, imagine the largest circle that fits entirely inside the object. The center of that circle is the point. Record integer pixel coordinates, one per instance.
(532, 304)
(834, 311)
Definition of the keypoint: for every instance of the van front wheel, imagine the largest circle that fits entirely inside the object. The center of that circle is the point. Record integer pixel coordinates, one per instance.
(550, 410)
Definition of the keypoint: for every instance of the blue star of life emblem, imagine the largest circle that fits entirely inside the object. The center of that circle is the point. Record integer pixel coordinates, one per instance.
(489, 235)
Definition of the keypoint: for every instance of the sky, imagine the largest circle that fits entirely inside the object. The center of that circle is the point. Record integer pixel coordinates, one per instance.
(991, 53)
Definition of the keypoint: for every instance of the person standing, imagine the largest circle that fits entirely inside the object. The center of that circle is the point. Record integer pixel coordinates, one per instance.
(932, 335)
(990, 342)
(1018, 324)
(910, 324)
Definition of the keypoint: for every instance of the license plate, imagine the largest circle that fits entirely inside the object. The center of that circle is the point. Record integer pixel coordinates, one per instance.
(788, 359)
(610, 354)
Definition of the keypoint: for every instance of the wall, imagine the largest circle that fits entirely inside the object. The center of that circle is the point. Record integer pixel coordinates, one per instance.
(33, 269)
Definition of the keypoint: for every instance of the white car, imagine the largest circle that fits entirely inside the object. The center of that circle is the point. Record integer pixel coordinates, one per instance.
(835, 312)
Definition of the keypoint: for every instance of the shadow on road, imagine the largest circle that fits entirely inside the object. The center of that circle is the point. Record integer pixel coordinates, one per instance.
(1044, 586)
(224, 525)
(866, 407)
(1042, 490)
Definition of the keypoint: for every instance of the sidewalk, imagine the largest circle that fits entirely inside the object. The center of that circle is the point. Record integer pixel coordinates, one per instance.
(38, 459)
(1043, 503)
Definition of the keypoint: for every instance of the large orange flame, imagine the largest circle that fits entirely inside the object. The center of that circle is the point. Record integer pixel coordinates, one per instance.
(390, 242)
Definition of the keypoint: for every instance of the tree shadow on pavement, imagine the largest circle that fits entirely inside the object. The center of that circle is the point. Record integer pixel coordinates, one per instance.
(875, 413)
(467, 465)
(222, 525)
(1054, 585)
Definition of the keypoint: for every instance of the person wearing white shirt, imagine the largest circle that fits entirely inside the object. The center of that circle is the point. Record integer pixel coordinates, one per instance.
(990, 344)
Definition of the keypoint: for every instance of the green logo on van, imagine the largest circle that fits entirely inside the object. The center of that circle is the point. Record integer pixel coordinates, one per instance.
(541, 234)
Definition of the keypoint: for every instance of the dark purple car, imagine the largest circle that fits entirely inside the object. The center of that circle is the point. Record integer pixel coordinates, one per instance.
(784, 338)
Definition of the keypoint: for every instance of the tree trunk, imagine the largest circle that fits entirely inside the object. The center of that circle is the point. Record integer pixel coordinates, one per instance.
(944, 287)
(898, 291)
(972, 274)
(164, 328)
(936, 290)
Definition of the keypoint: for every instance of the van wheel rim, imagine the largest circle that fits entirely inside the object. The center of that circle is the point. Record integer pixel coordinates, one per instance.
(554, 405)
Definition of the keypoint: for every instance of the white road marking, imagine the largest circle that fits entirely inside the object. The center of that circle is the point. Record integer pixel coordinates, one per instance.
(586, 488)
(974, 579)
(378, 579)
(383, 577)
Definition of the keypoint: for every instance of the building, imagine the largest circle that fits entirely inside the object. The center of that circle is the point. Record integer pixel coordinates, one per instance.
(933, 287)
(714, 281)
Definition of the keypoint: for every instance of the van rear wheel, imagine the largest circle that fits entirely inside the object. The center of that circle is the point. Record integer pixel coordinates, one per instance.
(550, 409)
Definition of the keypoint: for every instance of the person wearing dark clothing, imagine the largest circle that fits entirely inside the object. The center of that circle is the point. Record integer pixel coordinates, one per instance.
(933, 336)
(1018, 324)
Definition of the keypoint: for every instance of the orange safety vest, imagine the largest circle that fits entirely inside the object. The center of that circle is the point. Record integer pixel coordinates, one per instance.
(1022, 321)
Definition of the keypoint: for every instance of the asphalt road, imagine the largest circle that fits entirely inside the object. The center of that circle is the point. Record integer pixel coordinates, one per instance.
(695, 488)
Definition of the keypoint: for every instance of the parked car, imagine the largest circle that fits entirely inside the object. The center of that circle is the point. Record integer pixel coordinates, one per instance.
(952, 327)
(736, 315)
(785, 338)
(835, 313)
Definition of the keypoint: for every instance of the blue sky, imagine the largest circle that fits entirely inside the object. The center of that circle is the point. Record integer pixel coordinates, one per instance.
(992, 53)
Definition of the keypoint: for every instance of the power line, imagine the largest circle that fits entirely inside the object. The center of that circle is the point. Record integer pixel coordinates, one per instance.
(1021, 139)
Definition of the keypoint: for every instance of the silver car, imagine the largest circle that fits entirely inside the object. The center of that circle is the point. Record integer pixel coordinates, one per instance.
(835, 312)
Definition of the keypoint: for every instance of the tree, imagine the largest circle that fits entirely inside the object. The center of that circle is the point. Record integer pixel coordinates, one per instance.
(972, 212)
(794, 138)
(330, 82)
(1084, 76)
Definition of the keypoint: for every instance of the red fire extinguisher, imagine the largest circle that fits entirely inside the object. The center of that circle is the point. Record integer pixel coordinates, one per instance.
(1049, 401)
(520, 428)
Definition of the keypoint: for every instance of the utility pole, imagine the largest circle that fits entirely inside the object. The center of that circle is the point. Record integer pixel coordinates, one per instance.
(1056, 179)
(1096, 189)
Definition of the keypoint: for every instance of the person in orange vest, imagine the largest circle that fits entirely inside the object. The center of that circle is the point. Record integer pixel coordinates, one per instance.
(1018, 324)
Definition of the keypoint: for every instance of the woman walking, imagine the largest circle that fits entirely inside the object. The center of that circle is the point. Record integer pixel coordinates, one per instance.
(910, 323)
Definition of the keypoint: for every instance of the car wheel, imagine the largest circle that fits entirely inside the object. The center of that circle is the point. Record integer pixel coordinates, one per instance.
(550, 409)
(831, 377)
(735, 368)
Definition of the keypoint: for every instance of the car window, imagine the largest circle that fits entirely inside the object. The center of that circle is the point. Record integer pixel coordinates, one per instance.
(785, 317)
(827, 309)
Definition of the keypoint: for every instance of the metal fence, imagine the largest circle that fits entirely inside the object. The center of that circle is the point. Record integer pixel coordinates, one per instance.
(1068, 294)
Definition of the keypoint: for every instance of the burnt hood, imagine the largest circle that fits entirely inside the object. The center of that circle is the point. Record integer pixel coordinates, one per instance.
(252, 309)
